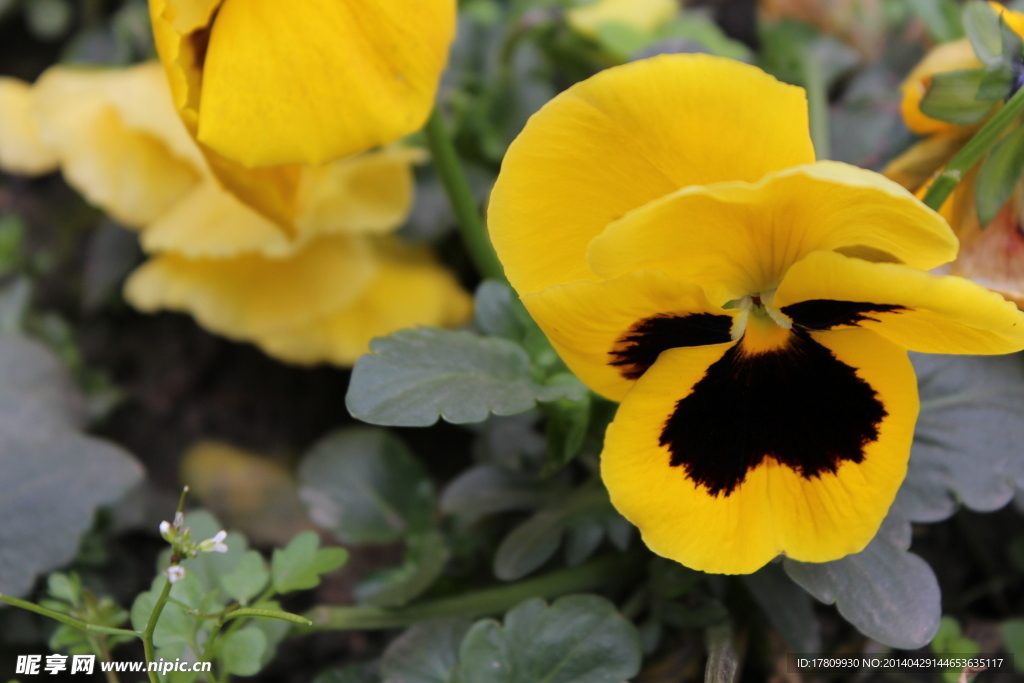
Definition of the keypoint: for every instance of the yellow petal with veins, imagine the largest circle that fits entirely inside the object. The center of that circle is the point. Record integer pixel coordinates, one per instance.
(625, 137)
(312, 81)
(936, 315)
(589, 322)
(738, 239)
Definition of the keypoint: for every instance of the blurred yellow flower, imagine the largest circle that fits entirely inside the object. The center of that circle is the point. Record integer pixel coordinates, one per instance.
(993, 257)
(265, 83)
(643, 15)
(666, 224)
(320, 295)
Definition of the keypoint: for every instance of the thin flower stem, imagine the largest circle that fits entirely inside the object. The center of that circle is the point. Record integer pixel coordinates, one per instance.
(147, 635)
(267, 614)
(65, 619)
(973, 151)
(817, 103)
(477, 603)
(471, 224)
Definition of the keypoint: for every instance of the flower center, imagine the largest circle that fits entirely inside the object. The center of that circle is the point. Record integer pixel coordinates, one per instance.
(760, 325)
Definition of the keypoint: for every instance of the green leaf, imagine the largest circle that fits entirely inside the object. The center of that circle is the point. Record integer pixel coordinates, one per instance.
(1013, 641)
(249, 577)
(996, 83)
(951, 97)
(941, 17)
(487, 489)
(567, 423)
(242, 651)
(889, 594)
(416, 376)
(365, 486)
(967, 443)
(999, 175)
(300, 564)
(425, 653)
(425, 558)
(533, 542)
(949, 640)
(787, 607)
(66, 587)
(700, 29)
(52, 477)
(578, 639)
(982, 25)
(495, 311)
(176, 626)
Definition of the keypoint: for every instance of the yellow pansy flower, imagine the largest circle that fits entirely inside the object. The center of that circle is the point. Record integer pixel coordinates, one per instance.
(320, 295)
(666, 224)
(994, 256)
(265, 83)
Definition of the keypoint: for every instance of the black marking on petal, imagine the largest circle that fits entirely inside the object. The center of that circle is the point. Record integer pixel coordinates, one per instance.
(824, 314)
(798, 404)
(637, 350)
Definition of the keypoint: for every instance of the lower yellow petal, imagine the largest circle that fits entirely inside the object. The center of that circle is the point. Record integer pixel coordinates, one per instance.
(21, 150)
(609, 332)
(402, 294)
(313, 81)
(775, 509)
(933, 315)
(252, 295)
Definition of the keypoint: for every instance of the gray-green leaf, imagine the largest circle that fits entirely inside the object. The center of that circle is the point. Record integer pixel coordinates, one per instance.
(951, 97)
(242, 651)
(300, 564)
(425, 653)
(249, 577)
(365, 486)
(999, 175)
(889, 594)
(578, 639)
(416, 376)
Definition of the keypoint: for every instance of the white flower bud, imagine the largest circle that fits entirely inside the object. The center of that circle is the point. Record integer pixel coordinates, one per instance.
(215, 544)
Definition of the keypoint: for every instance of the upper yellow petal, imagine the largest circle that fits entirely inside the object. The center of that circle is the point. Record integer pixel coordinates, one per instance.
(116, 145)
(253, 295)
(21, 149)
(629, 135)
(775, 510)
(312, 81)
(939, 315)
(738, 239)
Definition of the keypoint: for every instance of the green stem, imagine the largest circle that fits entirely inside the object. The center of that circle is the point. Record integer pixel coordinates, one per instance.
(973, 151)
(474, 232)
(477, 603)
(817, 103)
(65, 619)
(147, 635)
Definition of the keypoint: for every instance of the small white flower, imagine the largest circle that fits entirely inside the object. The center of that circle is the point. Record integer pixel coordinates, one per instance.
(175, 573)
(215, 544)
(167, 532)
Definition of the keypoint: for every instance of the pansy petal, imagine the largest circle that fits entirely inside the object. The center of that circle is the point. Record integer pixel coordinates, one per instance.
(211, 223)
(253, 295)
(629, 135)
(132, 174)
(312, 81)
(738, 238)
(918, 311)
(21, 149)
(403, 293)
(789, 403)
(609, 333)
(368, 193)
